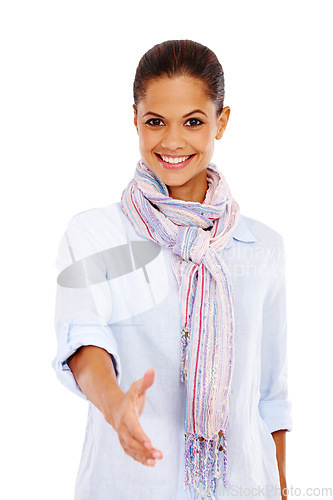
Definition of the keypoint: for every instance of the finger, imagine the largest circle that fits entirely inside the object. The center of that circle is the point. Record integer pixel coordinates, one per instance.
(135, 430)
(143, 443)
(133, 447)
(151, 461)
(145, 461)
(137, 455)
(134, 450)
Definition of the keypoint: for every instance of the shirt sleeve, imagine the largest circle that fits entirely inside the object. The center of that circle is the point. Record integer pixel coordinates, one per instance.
(274, 406)
(83, 302)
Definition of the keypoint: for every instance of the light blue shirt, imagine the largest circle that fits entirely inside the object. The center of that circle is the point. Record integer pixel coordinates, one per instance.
(117, 290)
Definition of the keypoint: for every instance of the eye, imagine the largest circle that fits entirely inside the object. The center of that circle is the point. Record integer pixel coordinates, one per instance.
(194, 122)
(154, 122)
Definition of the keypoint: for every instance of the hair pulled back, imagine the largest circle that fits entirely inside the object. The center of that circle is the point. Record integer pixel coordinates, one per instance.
(181, 58)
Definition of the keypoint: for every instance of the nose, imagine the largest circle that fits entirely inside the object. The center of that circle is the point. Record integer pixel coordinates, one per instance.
(173, 139)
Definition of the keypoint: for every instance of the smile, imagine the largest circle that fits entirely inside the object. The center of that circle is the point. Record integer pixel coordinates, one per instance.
(174, 162)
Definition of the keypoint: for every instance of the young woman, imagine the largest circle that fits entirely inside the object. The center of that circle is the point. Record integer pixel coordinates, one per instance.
(171, 311)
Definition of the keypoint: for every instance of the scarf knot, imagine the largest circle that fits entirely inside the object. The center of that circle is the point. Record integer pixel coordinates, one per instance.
(192, 243)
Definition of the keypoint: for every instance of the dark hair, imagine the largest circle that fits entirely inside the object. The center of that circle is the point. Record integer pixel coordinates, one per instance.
(181, 58)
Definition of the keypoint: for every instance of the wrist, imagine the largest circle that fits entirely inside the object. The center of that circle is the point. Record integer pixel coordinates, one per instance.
(110, 401)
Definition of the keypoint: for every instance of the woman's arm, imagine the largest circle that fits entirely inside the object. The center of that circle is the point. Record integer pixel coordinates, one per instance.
(94, 372)
(274, 405)
(280, 443)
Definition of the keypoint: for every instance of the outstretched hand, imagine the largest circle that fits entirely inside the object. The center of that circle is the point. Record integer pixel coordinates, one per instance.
(125, 420)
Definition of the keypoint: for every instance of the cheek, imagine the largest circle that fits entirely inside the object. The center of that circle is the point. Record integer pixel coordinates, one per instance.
(206, 140)
(147, 140)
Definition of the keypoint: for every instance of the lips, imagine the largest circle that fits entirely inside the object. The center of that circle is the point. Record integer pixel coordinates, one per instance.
(174, 166)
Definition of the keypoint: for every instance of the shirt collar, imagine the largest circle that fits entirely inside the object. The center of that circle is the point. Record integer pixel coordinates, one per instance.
(241, 233)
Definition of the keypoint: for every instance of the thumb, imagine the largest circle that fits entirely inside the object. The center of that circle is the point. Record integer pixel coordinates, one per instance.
(146, 381)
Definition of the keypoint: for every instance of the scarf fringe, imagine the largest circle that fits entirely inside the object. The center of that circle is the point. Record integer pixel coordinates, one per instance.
(202, 457)
(202, 463)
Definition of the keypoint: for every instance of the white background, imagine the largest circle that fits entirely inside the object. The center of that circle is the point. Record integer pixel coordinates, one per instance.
(68, 144)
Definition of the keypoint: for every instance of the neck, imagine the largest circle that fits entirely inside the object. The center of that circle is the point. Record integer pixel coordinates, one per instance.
(194, 190)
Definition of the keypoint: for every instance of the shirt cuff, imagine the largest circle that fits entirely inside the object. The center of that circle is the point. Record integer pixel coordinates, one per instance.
(82, 335)
(276, 414)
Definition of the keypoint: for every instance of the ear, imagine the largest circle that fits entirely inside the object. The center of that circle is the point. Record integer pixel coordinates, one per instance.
(222, 122)
(135, 118)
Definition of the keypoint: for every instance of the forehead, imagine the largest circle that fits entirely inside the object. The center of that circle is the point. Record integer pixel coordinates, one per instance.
(176, 95)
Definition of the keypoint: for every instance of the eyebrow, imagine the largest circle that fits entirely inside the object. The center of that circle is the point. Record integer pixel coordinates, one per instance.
(185, 116)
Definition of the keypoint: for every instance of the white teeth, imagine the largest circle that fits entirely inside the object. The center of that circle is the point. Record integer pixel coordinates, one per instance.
(169, 159)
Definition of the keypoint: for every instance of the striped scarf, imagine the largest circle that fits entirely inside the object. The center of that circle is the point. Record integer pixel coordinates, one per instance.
(196, 232)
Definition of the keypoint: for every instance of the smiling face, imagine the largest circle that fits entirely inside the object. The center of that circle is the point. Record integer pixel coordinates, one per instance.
(177, 126)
